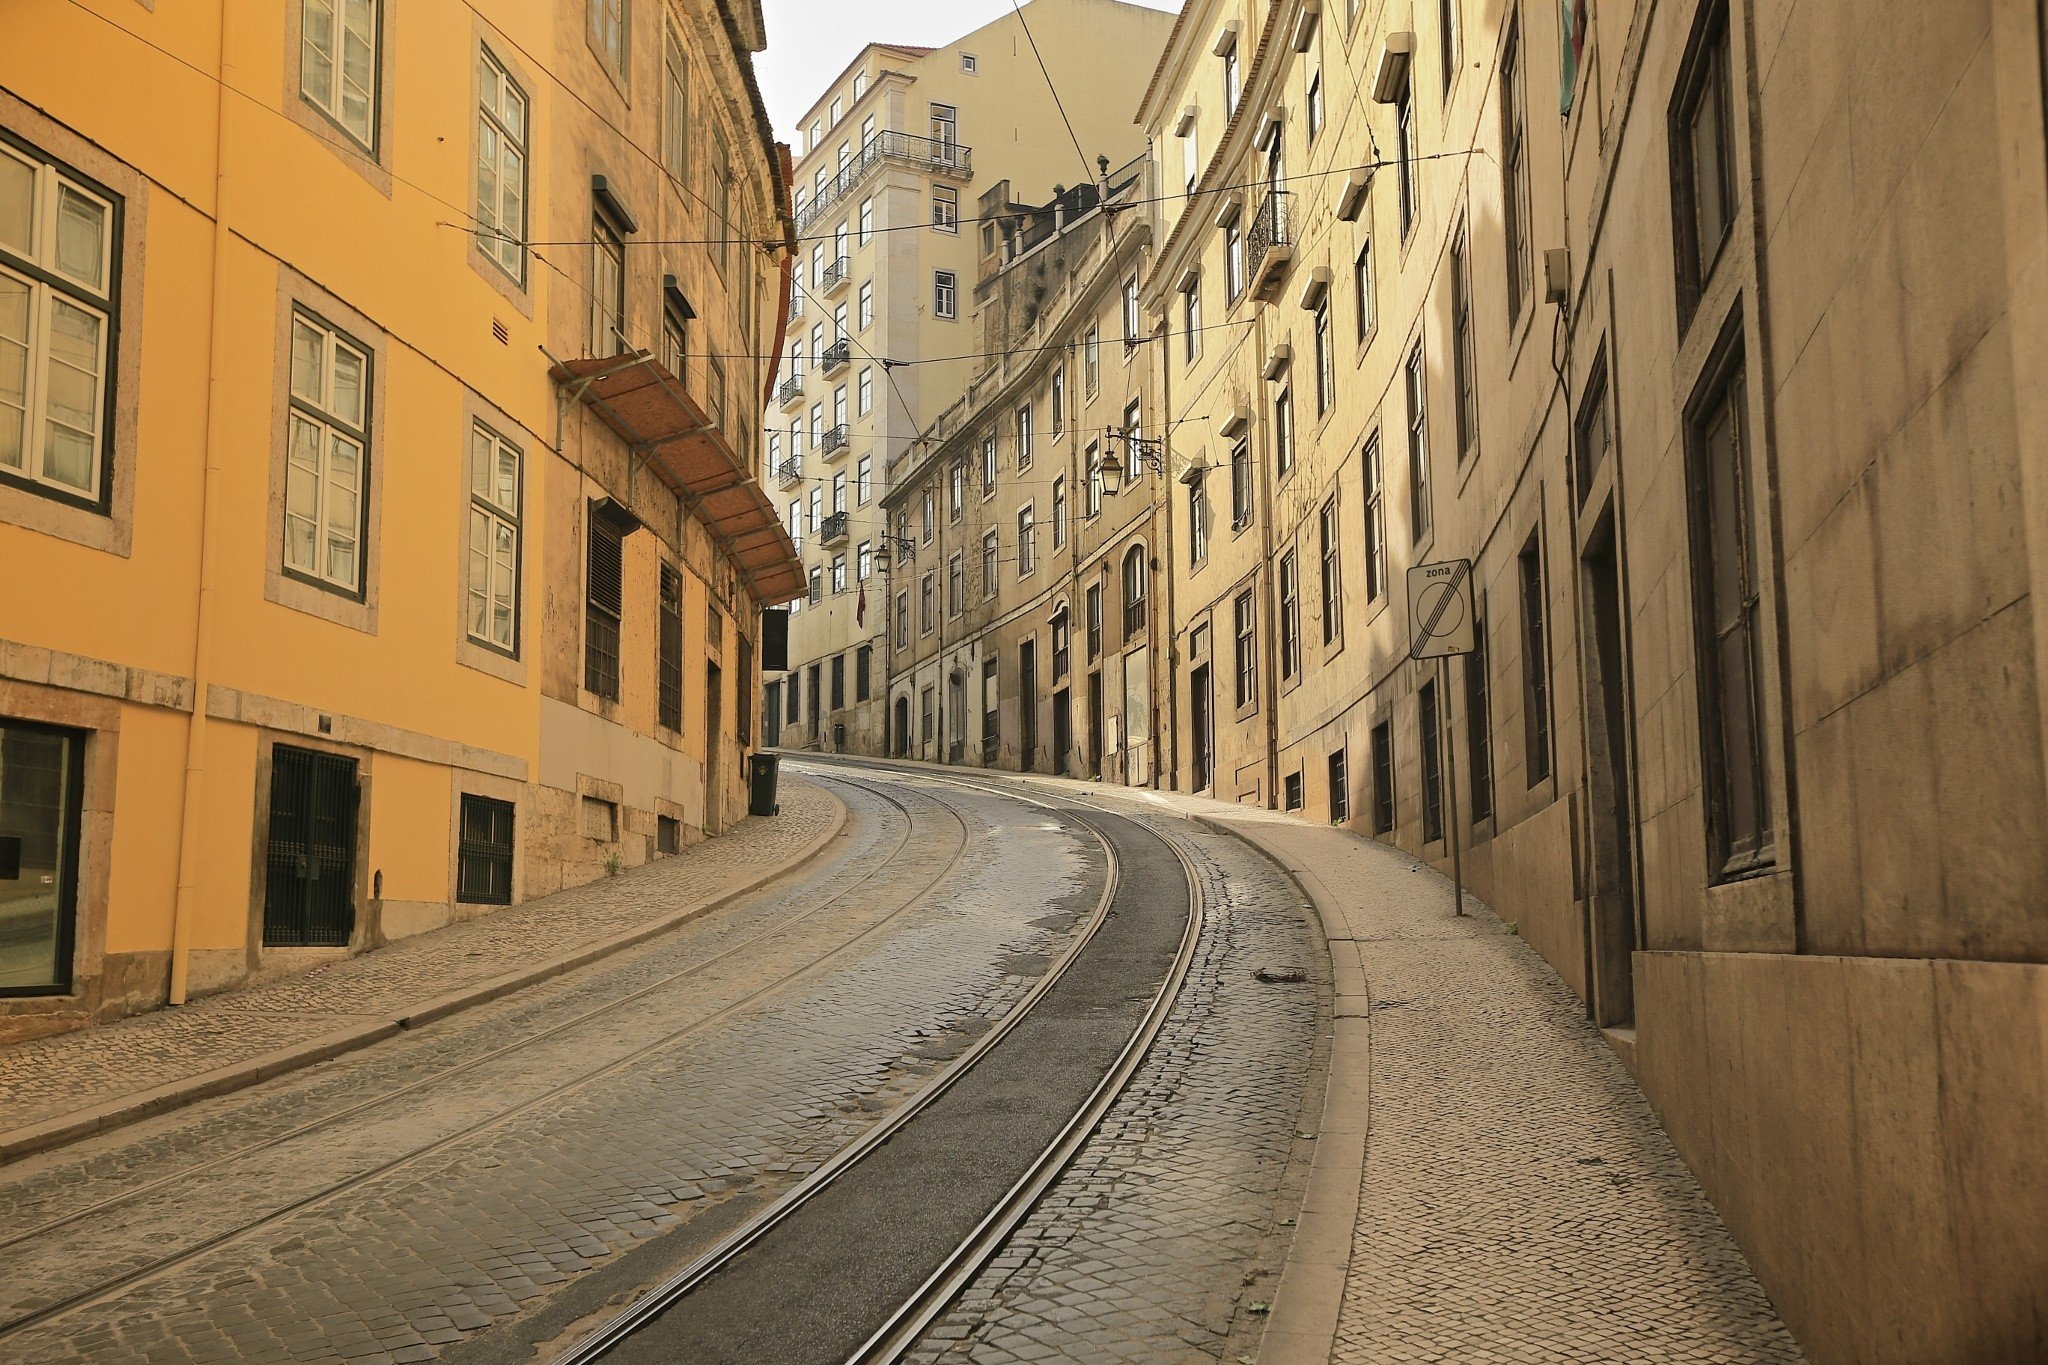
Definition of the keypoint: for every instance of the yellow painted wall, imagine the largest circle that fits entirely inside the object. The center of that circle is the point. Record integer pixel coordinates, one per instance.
(409, 814)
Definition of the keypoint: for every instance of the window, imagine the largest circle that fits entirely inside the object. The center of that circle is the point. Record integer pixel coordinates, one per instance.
(863, 672)
(483, 860)
(669, 651)
(863, 561)
(1704, 173)
(1023, 438)
(1367, 289)
(1418, 446)
(945, 291)
(1059, 399)
(1535, 660)
(339, 59)
(860, 85)
(968, 63)
(945, 128)
(817, 507)
(1383, 778)
(1233, 259)
(1375, 521)
(494, 492)
(668, 830)
(501, 168)
(1191, 159)
(1027, 545)
(1233, 83)
(839, 406)
(1240, 485)
(1448, 38)
(1092, 621)
(839, 331)
(1245, 615)
(1333, 574)
(867, 304)
(328, 455)
(989, 552)
(1130, 312)
(837, 112)
(945, 208)
(1514, 171)
(1340, 788)
(1464, 361)
(1091, 361)
(1479, 721)
(1313, 104)
(863, 480)
(1059, 511)
(675, 109)
(866, 231)
(1432, 764)
(1283, 429)
(1404, 158)
(796, 523)
(902, 620)
(609, 27)
(1291, 791)
(929, 505)
(1727, 597)
(1092, 497)
(1198, 523)
(1135, 583)
(867, 132)
(56, 328)
(927, 605)
(675, 342)
(721, 201)
(988, 466)
(839, 493)
(1290, 615)
(956, 490)
(838, 682)
(956, 584)
(1591, 432)
(41, 777)
(1191, 316)
(604, 604)
(866, 389)
(607, 288)
(1326, 360)
(1134, 434)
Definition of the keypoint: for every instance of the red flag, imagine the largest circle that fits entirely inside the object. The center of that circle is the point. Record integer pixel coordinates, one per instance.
(860, 609)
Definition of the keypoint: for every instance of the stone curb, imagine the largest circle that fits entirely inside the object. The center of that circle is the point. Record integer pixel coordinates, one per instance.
(127, 1109)
(1302, 1326)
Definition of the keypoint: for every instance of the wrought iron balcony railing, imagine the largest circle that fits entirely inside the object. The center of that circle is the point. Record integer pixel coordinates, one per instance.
(835, 276)
(1269, 246)
(832, 530)
(838, 356)
(796, 305)
(792, 390)
(931, 155)
(789, 472)
(833, 441)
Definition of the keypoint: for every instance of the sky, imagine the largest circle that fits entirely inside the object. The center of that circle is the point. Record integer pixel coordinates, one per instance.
(811, 41)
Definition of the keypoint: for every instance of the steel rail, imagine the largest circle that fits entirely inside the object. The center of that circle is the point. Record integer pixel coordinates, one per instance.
(666, 1294)
(107, 1288)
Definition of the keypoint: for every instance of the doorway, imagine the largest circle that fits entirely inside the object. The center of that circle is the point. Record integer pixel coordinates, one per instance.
(714, 749)
(309, 888)
(902, 749)
(1611, 906)
(1062, 729)
(1027, 704)
(1095, 726)
(1202, 741)
(41, 776)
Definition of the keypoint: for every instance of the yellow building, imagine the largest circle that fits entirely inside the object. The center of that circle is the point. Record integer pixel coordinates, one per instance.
(378, 543)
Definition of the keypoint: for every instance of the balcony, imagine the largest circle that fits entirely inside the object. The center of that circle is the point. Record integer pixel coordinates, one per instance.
(1269, 246)
(837, 357)
(833, 441)
(789, 473)
(791, 393)
(832, 530)
(835, 277)
(948, 160)
(796, 304)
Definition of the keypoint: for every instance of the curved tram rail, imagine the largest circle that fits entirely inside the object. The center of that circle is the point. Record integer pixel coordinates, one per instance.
(113, 1285)
(915, 1315)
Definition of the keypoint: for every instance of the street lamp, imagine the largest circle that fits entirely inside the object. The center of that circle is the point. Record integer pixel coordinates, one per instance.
(1139, 455)
(902, 545)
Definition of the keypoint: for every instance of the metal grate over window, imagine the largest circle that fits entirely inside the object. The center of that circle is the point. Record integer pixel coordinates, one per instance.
(483, 869)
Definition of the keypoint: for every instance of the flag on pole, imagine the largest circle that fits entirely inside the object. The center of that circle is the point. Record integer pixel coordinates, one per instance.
(860, 607)
(1571, 18)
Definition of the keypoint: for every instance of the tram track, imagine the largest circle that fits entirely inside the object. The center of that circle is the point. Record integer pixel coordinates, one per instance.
(110, 1287)
(907, 1320)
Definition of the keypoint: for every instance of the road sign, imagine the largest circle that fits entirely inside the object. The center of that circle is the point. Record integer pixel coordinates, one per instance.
(1440, 609)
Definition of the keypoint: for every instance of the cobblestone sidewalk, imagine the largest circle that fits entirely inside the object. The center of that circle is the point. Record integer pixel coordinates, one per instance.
(100, 1070)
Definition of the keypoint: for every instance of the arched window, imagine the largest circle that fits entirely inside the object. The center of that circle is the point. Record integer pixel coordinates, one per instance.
(1135, 577)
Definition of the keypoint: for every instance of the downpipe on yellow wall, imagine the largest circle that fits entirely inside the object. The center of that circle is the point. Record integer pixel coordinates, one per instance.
(195, 742)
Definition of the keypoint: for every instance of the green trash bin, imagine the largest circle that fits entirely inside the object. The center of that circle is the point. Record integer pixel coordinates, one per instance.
(763, 770)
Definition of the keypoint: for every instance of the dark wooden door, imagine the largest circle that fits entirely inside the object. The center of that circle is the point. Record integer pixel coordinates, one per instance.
(309, 894)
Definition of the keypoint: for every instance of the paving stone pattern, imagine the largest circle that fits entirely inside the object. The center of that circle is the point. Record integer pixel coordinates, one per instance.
(1520, 1202)
(54, 1076)
(407, 1227)
(1156, 1242)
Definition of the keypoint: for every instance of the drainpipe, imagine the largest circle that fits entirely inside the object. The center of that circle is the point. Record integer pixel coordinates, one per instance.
(216, 401)
(1166, 657)
(1270, 623)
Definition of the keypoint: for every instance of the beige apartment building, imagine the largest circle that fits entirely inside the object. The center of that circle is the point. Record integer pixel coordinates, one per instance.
(1696, 329)
(896, 156)
(1020, 588)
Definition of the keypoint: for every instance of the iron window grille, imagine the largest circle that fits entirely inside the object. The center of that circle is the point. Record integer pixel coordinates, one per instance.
(483, 870)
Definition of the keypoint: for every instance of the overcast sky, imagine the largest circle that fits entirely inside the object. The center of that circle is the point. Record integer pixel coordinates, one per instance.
(811, 41)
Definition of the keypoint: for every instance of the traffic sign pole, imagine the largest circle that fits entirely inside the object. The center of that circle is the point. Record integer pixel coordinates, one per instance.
(1443, 683)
